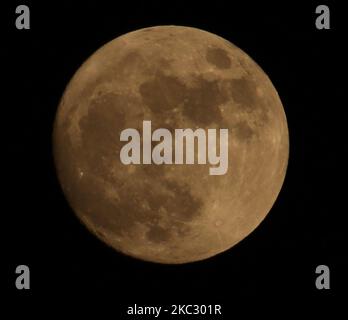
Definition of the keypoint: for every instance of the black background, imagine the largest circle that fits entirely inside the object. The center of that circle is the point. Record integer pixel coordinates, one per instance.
(305, 228)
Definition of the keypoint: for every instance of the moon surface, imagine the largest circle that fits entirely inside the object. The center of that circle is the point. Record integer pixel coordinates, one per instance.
(177, 77)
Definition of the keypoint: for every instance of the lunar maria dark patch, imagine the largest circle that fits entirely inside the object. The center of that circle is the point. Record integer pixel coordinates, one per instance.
(218, 57)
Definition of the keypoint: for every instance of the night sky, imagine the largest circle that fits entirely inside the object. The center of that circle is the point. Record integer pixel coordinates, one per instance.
(306, 226)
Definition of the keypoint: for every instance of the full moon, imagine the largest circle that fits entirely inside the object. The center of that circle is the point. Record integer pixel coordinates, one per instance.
(175, 77)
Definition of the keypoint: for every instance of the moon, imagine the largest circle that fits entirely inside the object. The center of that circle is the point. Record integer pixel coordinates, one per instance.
(177, 77)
